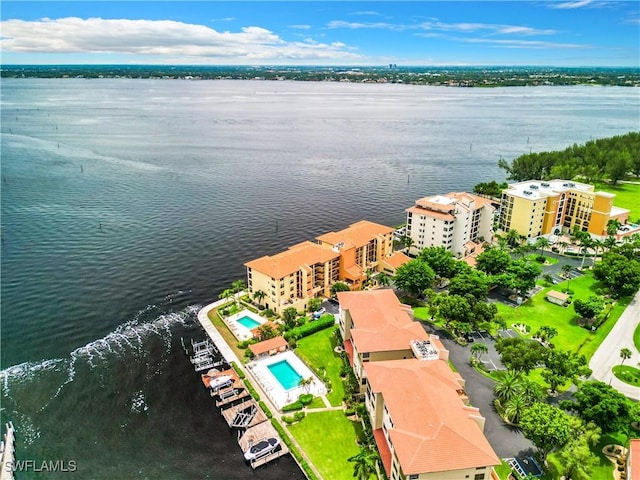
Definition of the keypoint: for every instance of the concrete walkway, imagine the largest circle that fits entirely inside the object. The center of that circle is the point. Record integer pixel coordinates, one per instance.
(608, 354)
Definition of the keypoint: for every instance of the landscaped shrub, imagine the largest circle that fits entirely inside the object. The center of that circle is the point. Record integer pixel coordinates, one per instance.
(309, 328)
(305, 399)
(349, 411)
(296, 417)
(265, 409)
(297, 405)
(252, 390)
(237, 369)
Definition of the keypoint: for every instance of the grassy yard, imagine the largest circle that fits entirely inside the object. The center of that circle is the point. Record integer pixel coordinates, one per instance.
(636, 337)
(328, 439)
(317, 351)
(627, 196)
(537, 311)
(224, 331)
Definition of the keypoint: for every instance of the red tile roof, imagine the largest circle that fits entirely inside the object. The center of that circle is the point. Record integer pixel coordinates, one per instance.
(268, 345)
(294, 258)
(634, 459)
(434, 431)
(356, 235)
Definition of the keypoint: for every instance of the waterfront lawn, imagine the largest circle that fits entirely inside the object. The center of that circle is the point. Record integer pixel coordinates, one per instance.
(317, 351)
(226, 334)
(537, 311)
(328, 439)
(627, 196)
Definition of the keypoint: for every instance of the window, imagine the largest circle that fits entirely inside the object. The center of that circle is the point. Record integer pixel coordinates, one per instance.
(414, 477)
(479, 476)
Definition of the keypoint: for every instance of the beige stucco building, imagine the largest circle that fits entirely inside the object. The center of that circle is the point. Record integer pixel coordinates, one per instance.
(308, 269)
(458, 221)
(419, 412)
(535, 208)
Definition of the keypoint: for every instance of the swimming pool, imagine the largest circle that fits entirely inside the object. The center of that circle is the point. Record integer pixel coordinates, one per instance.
(286, 375)
(248, 322)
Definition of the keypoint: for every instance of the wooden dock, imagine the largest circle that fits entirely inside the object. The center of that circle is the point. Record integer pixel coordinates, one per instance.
(256, 433)
(7, 453)
(236, 398)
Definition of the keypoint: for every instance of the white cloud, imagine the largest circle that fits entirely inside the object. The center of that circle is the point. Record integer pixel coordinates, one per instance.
(225, 19)
(366, 12)
(159, 38)
(300, 27)
(573, 4)
(436, 25)
(534, 44)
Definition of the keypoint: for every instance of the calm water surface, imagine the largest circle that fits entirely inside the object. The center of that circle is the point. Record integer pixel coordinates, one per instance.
(129, 204)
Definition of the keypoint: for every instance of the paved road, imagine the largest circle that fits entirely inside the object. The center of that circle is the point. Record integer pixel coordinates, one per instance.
(506, 441)
(608, 354)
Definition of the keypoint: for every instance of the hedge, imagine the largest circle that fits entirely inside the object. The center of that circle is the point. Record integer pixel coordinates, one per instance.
(297, 405)
(296, 417)
(305, 399)
(237, 369)
(252, 390)
(310, 328)
(265, 409)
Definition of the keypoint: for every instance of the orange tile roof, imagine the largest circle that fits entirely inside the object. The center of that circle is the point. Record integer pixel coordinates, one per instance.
(268, 345)
(396, 260)
(356, 235)
(380, 322)
(430, 213)
(446, 437)
(292, 259)
(634, 459)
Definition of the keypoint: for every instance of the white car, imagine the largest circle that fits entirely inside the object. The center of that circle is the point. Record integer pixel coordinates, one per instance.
(262, 448)
(318, 313)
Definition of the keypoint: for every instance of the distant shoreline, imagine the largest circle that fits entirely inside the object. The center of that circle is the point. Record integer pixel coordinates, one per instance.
(452, 76)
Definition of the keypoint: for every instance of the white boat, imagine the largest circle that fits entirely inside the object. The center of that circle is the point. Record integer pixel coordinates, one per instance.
(262, 448)
(219, 382)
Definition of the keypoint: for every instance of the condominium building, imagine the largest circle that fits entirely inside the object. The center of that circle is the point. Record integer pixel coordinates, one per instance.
(362, 246)
(422, 425)
(290, 278)
(535, 208)
(419, 412)
(308, 269)
(456, 221)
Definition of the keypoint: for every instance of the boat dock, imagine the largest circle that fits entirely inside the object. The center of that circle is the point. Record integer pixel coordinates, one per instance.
(7, 453)
(238, 408)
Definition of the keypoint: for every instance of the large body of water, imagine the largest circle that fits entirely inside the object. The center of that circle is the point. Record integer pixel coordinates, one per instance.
(128, 204)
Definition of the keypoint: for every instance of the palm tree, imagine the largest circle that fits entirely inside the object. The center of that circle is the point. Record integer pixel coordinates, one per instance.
(508, 387)
(514, 408)
(542, 243)
(610, 242)
(563, 246)
(531, 391)
(478, 349)
(383, 279)
(512, 237)
(625, 354)
(259, 295)
(365, 462)
(408, 242)
(226, 294)
(613, 226)
(306, 383)
(585, 243)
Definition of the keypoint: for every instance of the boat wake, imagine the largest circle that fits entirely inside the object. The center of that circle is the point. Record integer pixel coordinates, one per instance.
(124, 360)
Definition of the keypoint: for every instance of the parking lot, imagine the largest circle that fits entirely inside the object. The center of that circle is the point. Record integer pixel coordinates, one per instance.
(491, 359)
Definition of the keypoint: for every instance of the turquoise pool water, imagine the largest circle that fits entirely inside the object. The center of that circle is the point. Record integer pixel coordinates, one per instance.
(248, 322)
(285, 374)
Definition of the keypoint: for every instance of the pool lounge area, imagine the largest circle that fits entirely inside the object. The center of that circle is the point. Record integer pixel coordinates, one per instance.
(279, 376)
(243, 322)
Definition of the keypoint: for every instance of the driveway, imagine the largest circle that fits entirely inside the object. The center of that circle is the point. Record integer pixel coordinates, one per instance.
(506, 441)
(608, 353)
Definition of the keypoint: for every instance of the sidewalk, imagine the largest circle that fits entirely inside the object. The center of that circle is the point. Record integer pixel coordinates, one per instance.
(608, 354)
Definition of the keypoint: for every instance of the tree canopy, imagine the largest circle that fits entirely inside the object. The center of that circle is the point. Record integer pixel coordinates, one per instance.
(619, 273)
(589, 308)
(596, 160)
(547, 427)
(601, 404)
(493, 261)
(414, 277)
(520, 355)
(440, 260)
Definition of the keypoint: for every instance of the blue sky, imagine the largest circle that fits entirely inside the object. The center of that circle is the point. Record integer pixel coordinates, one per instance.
(542, 32)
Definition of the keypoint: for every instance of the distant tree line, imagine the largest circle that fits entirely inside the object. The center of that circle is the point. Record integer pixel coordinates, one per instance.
(597, 160)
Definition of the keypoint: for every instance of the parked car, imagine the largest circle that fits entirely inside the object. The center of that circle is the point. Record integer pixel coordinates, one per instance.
(318, 313)
(262, 448)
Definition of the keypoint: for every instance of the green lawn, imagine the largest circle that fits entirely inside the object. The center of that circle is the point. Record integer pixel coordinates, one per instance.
(537, 311)
(636, 337)
(224, 331)
(317, 351)
(627, 196)
(328, 439)
(627, 374)
(547, 260)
